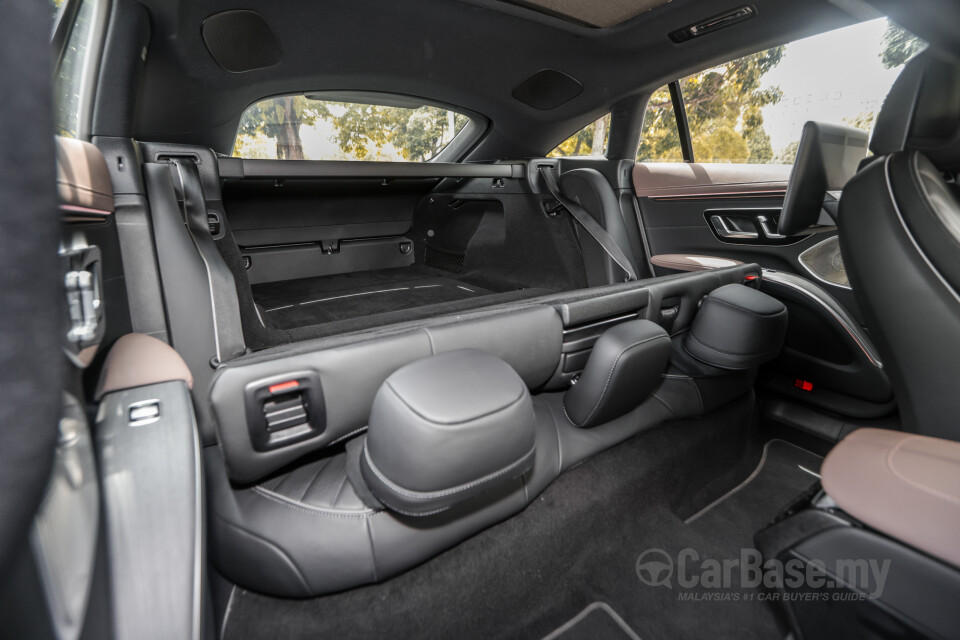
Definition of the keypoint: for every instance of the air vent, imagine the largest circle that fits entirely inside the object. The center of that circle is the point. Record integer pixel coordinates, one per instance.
(241, 41)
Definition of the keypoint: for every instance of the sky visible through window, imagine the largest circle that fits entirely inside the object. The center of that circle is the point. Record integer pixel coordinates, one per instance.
(832, 77)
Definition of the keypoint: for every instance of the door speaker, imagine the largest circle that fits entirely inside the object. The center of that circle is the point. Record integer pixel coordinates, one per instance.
(547, 89)
(241, 41)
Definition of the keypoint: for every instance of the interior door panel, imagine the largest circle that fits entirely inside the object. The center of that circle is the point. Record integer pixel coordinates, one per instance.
(692, 213)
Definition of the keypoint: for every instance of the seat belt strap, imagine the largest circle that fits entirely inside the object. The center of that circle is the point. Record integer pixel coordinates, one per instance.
(589, 224)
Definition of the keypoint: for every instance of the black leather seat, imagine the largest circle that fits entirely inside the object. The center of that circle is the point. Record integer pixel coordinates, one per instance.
(459, 433)
(900, 236)
(591, 190)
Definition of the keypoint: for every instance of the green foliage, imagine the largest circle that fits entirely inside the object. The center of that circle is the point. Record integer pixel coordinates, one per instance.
(660, 141)
(723, 108)
(589, 141)
(899, 45)
(863, 120)
(359, 130)
(788, 154)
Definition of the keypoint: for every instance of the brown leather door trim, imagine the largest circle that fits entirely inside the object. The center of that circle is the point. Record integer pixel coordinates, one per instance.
(683, 180)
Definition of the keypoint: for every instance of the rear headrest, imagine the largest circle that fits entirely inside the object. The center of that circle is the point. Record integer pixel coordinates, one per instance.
(83, 180)
(922, 112)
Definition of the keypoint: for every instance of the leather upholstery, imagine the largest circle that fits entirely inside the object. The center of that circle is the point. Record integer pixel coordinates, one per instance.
(83, 180)
(314, 527)
(624, 367)
(900, 238)
(737, 328)
(905, 485)
(920, 112)
(136, 360)
(591, 191)
(446, 428)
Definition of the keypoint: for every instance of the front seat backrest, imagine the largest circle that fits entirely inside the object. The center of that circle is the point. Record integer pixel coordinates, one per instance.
(900, 237)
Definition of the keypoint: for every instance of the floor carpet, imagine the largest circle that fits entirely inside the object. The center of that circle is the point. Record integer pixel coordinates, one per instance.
(706, 485)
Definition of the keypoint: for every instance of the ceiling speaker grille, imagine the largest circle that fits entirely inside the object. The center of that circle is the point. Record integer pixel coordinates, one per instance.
(547, 89)
(241, 41)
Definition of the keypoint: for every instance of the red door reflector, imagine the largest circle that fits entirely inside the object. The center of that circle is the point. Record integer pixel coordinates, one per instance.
(283, 386)
(803, 385)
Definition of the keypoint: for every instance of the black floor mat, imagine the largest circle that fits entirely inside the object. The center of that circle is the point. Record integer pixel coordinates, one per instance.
(597, 622)
(307, 301)
(579, 543)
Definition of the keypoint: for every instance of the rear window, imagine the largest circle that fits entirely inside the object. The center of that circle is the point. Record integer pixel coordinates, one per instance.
(305, 127)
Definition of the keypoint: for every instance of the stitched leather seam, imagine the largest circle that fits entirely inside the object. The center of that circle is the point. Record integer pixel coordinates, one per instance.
(914, 483)
(726, 353)
(741, 309)
(280, 550)
(610, 377)
(317, 511)
(453, 424)
(345, 436)
(428, 495)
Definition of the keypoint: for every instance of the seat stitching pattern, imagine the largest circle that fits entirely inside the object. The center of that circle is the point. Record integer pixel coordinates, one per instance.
(427, 495)
(727, 353)
(317, 511)
(914, 483)
(609, 378)
(505, 407)
(736, 308)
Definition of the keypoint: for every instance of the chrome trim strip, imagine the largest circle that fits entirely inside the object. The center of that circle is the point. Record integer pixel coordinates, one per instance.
(773, 276)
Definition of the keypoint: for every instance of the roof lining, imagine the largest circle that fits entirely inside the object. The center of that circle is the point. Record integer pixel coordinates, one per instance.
(590, 13)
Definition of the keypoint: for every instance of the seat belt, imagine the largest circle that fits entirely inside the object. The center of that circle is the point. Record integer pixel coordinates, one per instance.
(587, 221)
(227, 326)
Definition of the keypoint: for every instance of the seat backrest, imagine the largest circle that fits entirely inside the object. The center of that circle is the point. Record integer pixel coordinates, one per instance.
(900, 237)
(591, 190)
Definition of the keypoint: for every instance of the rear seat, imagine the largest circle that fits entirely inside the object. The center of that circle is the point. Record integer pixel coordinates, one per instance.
(346, 460)
(421, 436)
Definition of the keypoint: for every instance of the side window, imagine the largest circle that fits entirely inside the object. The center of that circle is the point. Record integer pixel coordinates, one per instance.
(660, 140)
(72, 83)
(313, 127)
(752, 110)
(589, 141)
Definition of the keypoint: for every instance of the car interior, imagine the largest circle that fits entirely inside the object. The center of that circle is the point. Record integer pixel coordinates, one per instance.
(480, 319)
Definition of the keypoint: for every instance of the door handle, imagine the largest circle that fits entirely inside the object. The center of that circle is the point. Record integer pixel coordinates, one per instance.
(726, 229)
(769, 230)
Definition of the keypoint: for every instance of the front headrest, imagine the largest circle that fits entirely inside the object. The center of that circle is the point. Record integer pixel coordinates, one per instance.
(922, 112)
(83, 180)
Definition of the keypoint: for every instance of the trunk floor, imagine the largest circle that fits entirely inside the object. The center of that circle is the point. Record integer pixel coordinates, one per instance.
(706, 484)
(296, 303)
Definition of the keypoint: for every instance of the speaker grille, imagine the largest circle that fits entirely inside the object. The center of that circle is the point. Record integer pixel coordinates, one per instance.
(241, 41)
(446, 260)
(547, 88)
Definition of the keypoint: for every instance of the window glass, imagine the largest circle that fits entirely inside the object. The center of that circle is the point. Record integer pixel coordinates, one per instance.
(589, 141)
(72, 78)
(660, 141)
(303, 128)
(56, 6)
(752, 110)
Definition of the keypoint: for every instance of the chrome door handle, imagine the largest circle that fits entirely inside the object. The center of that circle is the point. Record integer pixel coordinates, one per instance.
(724, 230)
(765, 226)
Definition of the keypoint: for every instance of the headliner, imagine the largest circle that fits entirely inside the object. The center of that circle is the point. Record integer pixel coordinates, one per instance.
(466, 53)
